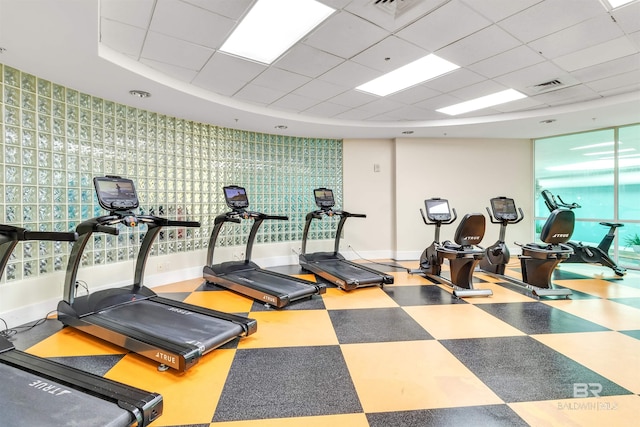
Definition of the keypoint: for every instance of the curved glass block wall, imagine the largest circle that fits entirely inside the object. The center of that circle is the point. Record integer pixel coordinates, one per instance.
(54, 140)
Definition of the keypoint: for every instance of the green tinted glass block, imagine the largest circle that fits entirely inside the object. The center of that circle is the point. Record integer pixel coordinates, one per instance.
(58, 93)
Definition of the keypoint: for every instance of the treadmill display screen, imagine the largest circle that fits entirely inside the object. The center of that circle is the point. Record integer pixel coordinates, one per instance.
(324, 197)
(115, 193)
(504, 209)
(236, 197)
(438, 209)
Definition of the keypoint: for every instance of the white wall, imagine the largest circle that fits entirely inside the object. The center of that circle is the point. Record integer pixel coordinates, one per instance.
(467, 172)
(369, 189)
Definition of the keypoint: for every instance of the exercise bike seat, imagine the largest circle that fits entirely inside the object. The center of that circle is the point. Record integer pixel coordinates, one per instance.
(611, 224)
(556, 231)
(468, 234)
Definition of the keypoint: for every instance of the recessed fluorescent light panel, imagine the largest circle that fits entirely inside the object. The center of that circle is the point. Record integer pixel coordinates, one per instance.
(273, 26)
(483, 102)
(617, 3)
(421, 70)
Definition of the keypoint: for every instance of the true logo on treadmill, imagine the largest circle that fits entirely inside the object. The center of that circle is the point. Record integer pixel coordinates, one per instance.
(179, 310)
(268, 298)
(471, 238)
(166, 358)
(561, 235)
(49, 388)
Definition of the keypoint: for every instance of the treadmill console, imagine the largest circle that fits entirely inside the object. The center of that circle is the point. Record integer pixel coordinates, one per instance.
(324, 198)
(236, 197)
(437, 209)
(115, 193)
(504, 209)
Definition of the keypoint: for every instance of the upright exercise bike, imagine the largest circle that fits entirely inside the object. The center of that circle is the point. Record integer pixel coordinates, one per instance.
(585, 253)
(463, 255)
(537, 262)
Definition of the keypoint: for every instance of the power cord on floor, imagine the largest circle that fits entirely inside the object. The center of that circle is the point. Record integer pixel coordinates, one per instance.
(7, 332)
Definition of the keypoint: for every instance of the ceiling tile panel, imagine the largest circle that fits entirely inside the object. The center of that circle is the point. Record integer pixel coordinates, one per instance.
(345, 35)
(136, 13)
(414, 94)
(389, 54)
(550, 16)
(161, 48)
(308, 61)
(497, 10)
(326, 109)
(507, 62)
(121, 37)
(625, 64)
(190, 23)
(317, 89)
(295, 103)
(225, 74)
(486, 87)
(353, 98)
(183, 74)
(483, 44)
(259, 94)
(581, 36)
(454, 80)
(349, 74)
(628, 17)
(231, 9)
(445, 25)
(598, 54)
(285, 81)
(614, 82)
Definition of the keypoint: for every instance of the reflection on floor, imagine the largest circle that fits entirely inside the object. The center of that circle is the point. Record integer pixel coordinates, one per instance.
(408, 354)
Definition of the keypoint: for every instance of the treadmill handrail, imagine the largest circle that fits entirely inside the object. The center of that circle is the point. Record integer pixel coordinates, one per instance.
(236, 216)
(103, 225)
(11, 235)
(317, 214)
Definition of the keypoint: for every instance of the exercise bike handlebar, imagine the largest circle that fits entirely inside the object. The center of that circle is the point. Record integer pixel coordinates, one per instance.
(519, 217)
(449, 221)
(564, 204)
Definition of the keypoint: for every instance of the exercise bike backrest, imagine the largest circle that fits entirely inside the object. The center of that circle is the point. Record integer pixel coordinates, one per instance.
(559, 227)
(471, 230)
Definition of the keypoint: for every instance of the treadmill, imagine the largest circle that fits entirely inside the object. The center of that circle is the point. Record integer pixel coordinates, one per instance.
(172, 333)
(246, 277)
(332, 266)
(38, 392)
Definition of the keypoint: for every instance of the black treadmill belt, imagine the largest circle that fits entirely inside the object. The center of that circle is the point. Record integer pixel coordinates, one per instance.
(173, 324)
(347, 271)
(30, 400)
(274, 284)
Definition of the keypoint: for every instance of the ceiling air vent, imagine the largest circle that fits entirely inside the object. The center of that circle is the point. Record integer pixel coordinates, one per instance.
(547, 86)
(395, 7)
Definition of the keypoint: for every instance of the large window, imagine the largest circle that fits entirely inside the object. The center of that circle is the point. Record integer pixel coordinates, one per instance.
(600, 171)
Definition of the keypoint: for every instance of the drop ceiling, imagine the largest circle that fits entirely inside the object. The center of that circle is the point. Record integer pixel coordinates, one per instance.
(577, 61)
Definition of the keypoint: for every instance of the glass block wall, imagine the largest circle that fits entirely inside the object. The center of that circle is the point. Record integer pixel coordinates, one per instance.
(54, 140)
